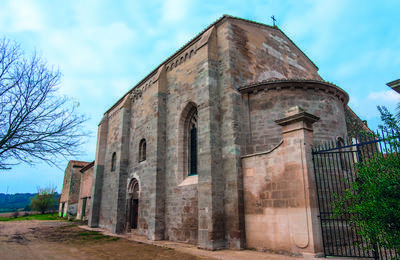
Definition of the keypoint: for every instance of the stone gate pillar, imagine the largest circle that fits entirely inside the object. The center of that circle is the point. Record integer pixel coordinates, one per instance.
(304, 224)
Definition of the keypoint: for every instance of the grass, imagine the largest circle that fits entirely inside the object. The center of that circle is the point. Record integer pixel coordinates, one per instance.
(91, 235)
(88, 233)
(33, 216)
(94, 235)
(64, 227)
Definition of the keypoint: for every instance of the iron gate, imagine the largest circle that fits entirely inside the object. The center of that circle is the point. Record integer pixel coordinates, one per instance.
(334, 167)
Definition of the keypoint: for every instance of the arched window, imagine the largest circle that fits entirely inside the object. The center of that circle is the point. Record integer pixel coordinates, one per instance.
(142, 150)
(188, 142)
(113, 161)
(192, 144)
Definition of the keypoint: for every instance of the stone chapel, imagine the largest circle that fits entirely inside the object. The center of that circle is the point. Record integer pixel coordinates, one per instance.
(212, 147)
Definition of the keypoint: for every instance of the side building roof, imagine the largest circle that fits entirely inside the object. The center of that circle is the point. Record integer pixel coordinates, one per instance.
(395, 85)
(87, 167)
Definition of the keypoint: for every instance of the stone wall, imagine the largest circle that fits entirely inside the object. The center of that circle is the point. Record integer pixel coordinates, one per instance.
(66, 183)
(85, 191)
(98, 174)
(267, 102)
(114, 176)
(109, 184)
(63, 207)
(231, 137)
(281, 209)
(188, 89)
(260, 53)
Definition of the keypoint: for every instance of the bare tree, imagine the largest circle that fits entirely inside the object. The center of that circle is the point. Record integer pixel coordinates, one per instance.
(36, 123)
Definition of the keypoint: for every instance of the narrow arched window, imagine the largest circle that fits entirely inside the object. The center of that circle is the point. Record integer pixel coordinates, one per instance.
(192, 144)
(142, 150)
(113, 161)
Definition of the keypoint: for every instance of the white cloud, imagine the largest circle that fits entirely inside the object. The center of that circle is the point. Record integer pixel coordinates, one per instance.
(90, 45)
(388, 96)
(89, 56)
(21, 15)
(174, 11)
(354, 65)
(316, 23)
(88, 12)
(366, 107)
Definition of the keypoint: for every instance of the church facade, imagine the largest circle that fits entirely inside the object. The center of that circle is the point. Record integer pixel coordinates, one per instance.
(213, 146)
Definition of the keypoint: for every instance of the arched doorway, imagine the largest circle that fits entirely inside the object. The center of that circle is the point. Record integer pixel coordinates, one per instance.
(132, 205)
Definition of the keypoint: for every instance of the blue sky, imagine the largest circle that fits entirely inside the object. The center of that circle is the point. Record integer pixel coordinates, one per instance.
(104, 48)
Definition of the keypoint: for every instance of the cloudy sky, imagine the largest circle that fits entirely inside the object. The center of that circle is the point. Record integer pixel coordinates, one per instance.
(103, 48)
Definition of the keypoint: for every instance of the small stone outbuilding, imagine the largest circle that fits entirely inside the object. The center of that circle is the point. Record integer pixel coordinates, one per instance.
(71, 188)
(85, 191)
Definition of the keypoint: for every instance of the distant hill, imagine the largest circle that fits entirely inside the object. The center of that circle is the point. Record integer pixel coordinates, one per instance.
(12, 202)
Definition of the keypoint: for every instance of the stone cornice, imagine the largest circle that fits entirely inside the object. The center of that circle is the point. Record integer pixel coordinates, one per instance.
(316, 85)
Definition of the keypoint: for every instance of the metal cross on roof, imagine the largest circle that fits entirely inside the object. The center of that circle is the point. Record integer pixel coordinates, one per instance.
(273, 19)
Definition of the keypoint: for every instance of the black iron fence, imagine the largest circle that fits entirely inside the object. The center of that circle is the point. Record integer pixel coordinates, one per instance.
(334, 167)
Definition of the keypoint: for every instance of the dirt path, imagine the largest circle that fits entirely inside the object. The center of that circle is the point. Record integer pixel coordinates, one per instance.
(33, 239)
(18, 240)
(59, 240)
